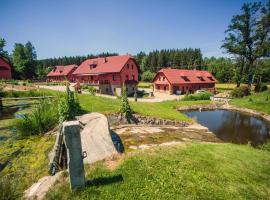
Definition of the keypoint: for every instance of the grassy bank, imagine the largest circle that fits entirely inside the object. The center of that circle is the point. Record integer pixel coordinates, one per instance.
(27, 160)
(197, 171)
(257, 101)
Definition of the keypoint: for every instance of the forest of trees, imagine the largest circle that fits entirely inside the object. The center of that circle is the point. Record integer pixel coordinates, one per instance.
(26, 65)
(247, 41)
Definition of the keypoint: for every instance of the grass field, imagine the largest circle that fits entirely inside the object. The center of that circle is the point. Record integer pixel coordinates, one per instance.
(166, 109)
(257, 101)
(145, 84)
(197, 171)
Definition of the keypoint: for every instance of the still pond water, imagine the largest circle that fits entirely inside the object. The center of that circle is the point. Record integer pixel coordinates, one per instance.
(231, 126)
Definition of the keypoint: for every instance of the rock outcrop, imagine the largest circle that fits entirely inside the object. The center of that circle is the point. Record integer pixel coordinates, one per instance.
(115, 119)
(96, 138)
(39, 189)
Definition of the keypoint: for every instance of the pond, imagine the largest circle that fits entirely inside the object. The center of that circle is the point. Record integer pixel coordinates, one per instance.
(11, 112)
(232, 126)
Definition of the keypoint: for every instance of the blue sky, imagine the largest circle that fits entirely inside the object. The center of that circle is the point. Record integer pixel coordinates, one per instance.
(68, 28)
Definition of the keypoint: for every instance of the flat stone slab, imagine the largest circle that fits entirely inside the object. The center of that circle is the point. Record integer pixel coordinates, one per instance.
(96, 138)
(39, 189)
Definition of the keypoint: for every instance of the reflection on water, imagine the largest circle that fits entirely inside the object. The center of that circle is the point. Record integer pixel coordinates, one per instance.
(233, 126)
(10, 112)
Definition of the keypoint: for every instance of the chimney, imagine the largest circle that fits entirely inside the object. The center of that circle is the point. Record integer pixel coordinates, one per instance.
(105, 59)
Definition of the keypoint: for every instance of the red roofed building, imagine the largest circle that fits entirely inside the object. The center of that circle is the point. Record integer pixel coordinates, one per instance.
(62, 73)
(107, 74)
(178, 81)
(5, 68)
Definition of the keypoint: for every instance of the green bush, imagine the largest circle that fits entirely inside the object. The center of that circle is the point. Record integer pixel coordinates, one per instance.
(261, 87)
(240, 92)
(43, 118)
(197, 97)
(69, 106)
(147, 76)
(84, 87)
(92, 90)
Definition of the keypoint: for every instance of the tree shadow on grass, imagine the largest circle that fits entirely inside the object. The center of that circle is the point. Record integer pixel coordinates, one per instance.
(104, 180)
(117, 142)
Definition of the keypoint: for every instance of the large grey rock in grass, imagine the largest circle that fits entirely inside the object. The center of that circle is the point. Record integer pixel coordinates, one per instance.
(96, 138)
(39, 189)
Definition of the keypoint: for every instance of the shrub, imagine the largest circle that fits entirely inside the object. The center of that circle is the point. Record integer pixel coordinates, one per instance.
(92, 90)
(147, 76)
(69, 106)
(84, 87)
(43, 118)
(197, 97)
(125, 108)
(240, 92)
(261, 87)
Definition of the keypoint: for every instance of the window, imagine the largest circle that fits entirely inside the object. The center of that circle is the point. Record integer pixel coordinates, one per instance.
(159, 78)
(128, 66)
(210, 78)
(185, 78)
(126, 77)
(132, 66)
(92, 78)
(200, 78)
(133, 77)
(113, 77)
(163, 78)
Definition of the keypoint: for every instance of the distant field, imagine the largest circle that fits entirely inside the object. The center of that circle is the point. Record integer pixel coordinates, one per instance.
(144, 84)
(230, 86)
(225, 86)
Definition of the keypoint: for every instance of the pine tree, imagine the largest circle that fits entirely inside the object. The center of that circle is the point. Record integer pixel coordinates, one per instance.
(125, 109)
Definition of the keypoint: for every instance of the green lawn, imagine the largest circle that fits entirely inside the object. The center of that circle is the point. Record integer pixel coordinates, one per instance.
(166, 109)
(257, 101)
(197, 171)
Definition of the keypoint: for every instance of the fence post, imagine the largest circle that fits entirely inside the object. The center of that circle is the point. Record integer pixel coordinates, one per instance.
(72, 139)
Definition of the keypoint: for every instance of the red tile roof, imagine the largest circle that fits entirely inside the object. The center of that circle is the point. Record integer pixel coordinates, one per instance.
(62, 70)
(178, 76)
(103, 65)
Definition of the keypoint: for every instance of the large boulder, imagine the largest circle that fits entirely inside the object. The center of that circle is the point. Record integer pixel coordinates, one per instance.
(96, 138)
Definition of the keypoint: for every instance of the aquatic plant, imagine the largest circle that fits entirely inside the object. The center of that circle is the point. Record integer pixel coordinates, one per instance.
(197, 97)
(43, 118)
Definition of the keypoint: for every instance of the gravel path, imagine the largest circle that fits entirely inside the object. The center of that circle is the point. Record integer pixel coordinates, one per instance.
(156, 98)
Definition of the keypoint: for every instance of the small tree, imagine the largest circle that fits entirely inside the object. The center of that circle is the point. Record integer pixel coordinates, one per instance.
(135, 95)
(125, 109)
(69, 107)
